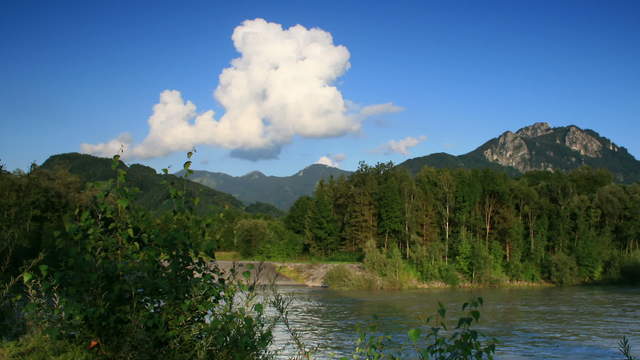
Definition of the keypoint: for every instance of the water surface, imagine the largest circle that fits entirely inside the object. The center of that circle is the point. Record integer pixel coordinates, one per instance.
(533, 323)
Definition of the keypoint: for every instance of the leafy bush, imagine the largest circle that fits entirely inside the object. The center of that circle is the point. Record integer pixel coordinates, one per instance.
(281, 244)
(482, 264)
(344, 277)
(267, 239)
(43, 347)
(252, 234)
(390, 267)
(132, 287)
(345, 256)
(563, 269)
(449, 275)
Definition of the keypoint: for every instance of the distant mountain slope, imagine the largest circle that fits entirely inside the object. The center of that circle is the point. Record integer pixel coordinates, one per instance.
(447, 161)
(255, 186)
(541, 147)
(154, 195)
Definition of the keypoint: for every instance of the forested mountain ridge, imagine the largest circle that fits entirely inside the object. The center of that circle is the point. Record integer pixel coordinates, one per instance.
(448, 161)
(541, 147)
(153, 192)
(280, 191)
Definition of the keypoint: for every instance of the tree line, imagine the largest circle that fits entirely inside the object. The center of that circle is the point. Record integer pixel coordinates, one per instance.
(478, 225)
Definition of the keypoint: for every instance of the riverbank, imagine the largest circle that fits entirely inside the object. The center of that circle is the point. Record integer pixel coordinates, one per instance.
(285, 273)
(343, 276)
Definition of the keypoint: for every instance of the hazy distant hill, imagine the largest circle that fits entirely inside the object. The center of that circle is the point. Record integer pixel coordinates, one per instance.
(541, 147)
(258, 187)
(153, 194)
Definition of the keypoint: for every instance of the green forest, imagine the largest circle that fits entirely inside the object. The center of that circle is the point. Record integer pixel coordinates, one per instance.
(479, 225)
(458, 226)
(99, 268)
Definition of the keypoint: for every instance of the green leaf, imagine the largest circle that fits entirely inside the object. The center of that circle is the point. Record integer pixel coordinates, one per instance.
(44, 269)
(187, 165)
(259, 308)
(26, 277)
(123, 203)
(414, 335)
(246, 274)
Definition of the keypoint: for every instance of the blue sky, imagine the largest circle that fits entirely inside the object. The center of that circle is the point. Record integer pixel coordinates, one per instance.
(463, 72)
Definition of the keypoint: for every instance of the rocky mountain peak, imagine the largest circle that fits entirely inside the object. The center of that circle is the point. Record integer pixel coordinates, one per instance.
(579, 140)
(541, 147)
(510, 150)
(535, 130)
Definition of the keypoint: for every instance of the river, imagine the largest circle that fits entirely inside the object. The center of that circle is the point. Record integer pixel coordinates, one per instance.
(530, 323)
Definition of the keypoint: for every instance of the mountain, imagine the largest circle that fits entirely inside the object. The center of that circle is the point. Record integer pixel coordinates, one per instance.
(153, 194)
(447, 161)
(541, 147)
(255, 186)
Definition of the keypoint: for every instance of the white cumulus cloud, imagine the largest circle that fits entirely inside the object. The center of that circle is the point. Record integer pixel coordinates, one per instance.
(401, 146)
(332, 160)
(110, 148)
(281, 86)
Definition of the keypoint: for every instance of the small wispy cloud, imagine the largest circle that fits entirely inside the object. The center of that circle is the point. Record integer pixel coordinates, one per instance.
(379, 109)
(400, 146)
(332, 160)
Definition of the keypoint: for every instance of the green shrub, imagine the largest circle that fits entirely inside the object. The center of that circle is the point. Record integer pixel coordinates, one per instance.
(389, 265)
(345, 277)
(135, 287)
(481, 265)
(252, 234)
(449, 275)
(345, 256)
(563, 269)
(281, 243)
(43, 347)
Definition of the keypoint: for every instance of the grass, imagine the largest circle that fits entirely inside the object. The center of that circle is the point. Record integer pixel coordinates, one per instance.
(292, 273)
(344, 278)
(228, 256)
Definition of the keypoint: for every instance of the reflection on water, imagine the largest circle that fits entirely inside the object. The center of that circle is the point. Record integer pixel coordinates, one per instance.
(545, 323)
